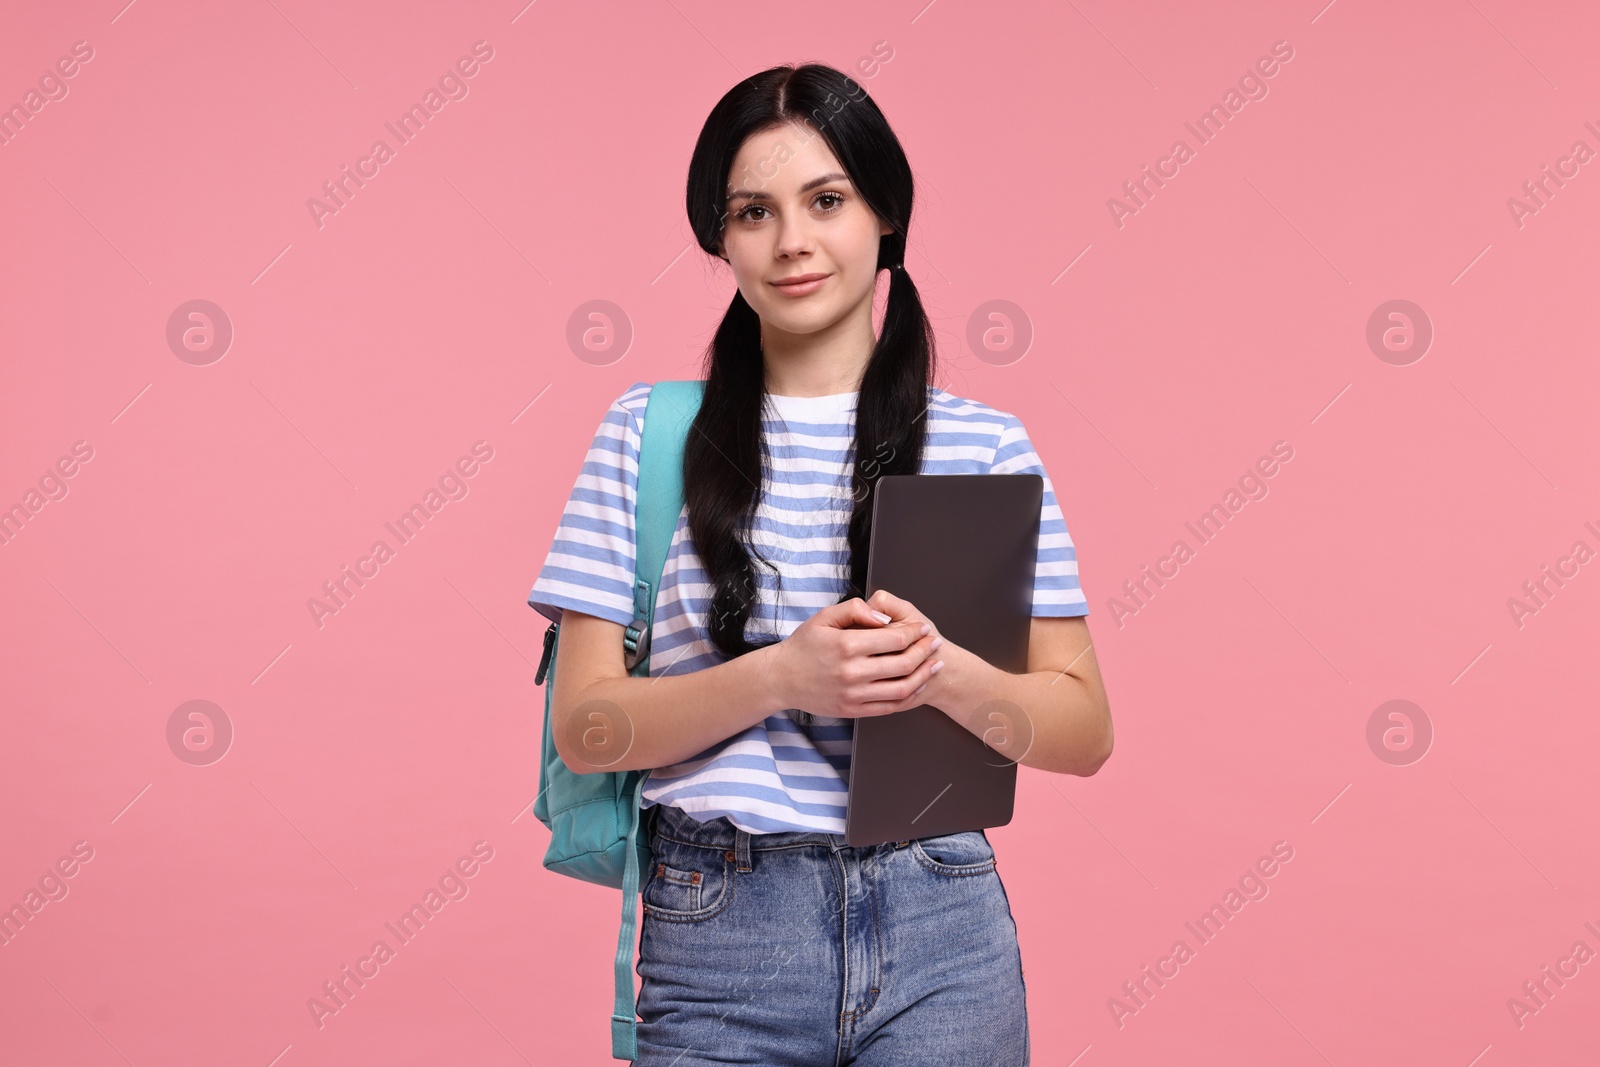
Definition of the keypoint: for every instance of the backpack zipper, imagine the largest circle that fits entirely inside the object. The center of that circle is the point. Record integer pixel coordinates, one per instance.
(544, 660)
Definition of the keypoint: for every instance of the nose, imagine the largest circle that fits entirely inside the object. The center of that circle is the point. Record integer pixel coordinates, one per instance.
(794, 236)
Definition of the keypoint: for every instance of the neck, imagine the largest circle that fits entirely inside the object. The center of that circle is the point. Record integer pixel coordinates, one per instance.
(832, 360)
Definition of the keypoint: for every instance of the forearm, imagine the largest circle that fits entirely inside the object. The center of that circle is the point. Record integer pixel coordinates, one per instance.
(625, 724)
(1051, 720)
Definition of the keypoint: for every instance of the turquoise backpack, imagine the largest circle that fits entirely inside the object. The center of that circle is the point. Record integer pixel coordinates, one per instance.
(593, 818)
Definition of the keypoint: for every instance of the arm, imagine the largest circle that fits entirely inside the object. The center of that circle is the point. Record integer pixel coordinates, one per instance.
(846, 660)
(606, 720)
(1054, 717)
(1065, 718)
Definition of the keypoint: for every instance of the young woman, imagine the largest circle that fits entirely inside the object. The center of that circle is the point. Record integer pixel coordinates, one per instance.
(765, 938)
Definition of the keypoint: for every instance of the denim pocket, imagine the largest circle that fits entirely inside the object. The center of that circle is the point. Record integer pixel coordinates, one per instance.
(687, 883)
(955, 855)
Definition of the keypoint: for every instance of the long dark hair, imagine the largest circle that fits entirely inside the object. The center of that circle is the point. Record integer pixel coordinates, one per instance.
(725, 455)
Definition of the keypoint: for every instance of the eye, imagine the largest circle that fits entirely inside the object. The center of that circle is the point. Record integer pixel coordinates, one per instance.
(835, 202)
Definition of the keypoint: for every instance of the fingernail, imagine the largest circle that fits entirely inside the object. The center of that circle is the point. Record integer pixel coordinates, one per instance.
(937, 641)
(923, 631)
(919, 688)
(937, 667)
(880, 616)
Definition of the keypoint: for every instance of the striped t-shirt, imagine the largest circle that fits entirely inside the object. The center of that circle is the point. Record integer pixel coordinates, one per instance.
(782, 774)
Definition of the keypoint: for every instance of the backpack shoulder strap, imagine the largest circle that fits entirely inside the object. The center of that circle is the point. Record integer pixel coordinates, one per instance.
(658, 503)
(659, 498)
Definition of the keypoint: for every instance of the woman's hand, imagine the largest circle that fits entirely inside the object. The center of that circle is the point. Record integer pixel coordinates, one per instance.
(899, 610)
(848, 661)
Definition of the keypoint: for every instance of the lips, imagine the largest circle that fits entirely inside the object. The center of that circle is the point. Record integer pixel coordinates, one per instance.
(800, 283)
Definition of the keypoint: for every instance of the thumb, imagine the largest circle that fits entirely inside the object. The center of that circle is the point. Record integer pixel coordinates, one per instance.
(883, 599)
(855, 612)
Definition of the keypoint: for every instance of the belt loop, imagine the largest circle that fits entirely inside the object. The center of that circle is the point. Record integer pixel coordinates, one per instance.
(741, 848)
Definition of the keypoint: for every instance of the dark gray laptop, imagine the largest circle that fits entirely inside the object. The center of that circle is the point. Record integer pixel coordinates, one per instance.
(962, 548)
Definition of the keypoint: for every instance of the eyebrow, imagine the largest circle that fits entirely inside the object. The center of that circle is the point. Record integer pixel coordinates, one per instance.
(746, 194)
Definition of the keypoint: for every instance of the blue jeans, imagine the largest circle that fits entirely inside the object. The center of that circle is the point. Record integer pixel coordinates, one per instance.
(796, 948)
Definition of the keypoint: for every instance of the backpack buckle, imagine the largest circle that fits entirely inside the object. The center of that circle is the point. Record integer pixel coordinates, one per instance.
(635, 642)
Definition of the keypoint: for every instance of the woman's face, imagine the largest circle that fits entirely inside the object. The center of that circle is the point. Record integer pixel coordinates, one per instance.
(791, 212)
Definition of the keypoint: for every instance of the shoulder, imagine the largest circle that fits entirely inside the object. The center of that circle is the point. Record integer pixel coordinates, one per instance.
(961, 420)
(623, 421)
(633, 400)
(948, 407)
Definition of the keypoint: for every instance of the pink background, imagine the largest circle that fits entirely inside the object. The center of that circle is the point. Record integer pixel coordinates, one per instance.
(369, 354)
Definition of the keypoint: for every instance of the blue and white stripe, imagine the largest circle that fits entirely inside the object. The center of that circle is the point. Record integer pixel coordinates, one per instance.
(778, 775)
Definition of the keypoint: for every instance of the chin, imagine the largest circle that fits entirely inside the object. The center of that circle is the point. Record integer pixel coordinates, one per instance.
(810, 322)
